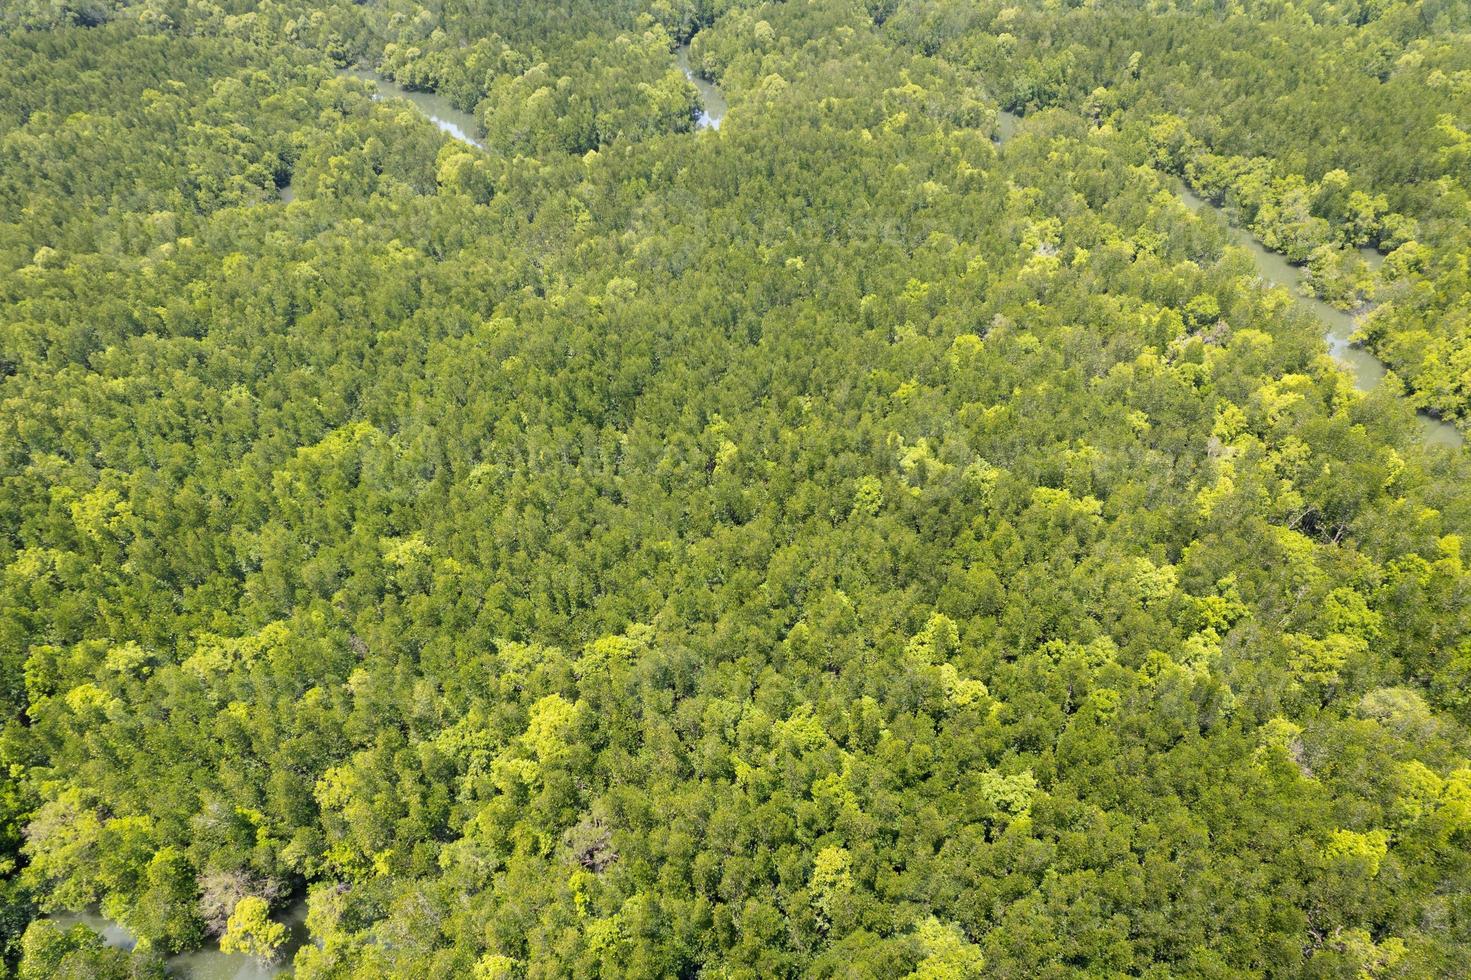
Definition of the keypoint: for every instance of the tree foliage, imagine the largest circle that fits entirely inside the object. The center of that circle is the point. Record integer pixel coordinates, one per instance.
(831, 545)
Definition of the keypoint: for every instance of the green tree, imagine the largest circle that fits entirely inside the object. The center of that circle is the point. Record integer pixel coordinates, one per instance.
(251, 931)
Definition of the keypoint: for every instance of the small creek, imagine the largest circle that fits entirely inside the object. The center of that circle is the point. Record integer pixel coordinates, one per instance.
(1366, 369)
(208, 962)
(461, 125)
(1274, 269)
(1006, 123)
(712, 102)
(436, 108)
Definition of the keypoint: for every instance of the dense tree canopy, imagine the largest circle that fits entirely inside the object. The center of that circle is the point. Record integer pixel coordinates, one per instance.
(1320, 126)
(831, 545)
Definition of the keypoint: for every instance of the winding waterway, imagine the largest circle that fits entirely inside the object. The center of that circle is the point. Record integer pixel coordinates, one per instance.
(463, 126)
(436, 108)
(1006, 123)
(1338, 326)
(712, 101)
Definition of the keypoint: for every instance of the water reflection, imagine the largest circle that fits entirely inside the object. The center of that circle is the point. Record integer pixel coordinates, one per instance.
(1006, 123)
(710, 97)
(207, 963)
(460, 125)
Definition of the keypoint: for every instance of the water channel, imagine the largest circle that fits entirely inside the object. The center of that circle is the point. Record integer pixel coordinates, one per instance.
(712, 102)
(1339, 326)
(461, 125)
(208, 962)
(1275, 270)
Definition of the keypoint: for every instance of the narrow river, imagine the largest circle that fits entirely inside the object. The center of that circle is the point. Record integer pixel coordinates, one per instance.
(1274, 269)
(712, 102)
(206, 963)
(461, 125)
(1339, 326)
